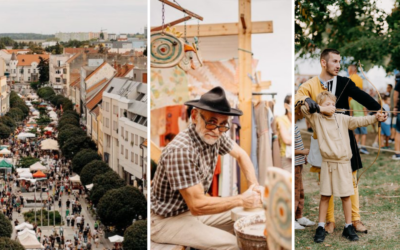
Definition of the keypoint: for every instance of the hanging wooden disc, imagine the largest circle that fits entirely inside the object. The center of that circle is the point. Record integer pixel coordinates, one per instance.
(166, 50)
(278, 204)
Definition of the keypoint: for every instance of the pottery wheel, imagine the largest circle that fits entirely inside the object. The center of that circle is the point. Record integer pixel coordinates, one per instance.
(240, 212)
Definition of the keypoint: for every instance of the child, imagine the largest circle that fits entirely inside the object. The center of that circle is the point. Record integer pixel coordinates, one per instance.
(336, 173)
(385, 126)
(300, 154)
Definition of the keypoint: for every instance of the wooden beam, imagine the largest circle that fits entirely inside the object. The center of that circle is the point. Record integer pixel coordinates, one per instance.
(245, 84)
(225, 29)
(183, 19)
(182, 9)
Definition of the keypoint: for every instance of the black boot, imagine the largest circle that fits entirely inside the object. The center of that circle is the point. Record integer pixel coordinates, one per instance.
(350, 233)
(320, 235)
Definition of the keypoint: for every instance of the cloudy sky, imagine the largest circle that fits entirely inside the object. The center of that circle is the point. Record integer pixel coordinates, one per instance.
(51, 16)
(274, 51)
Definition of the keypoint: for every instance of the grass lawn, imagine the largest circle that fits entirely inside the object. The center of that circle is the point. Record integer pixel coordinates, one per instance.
(380, 212)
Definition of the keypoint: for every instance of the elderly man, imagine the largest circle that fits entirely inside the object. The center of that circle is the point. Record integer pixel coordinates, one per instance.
(182, 212)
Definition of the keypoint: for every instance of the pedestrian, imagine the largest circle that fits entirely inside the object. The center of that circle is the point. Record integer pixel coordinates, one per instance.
(68, 217)
(96, 240)
(59, 203)
(61, 230)
(73, 222)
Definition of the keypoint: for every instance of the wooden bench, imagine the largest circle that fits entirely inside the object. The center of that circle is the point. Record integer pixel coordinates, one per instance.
(157, 246)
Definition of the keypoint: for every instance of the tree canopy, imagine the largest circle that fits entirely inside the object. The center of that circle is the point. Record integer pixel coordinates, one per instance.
(5, 226)
(354, 27)
(74, 144)
(43, 68)
(118, 207)
(45, 93)
(92, 169)
(104, 182)
(82, 158)
(135, 236)
(9, 244)
(64, 135)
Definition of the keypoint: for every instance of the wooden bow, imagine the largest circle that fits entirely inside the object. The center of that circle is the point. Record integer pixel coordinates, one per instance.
(379, 124)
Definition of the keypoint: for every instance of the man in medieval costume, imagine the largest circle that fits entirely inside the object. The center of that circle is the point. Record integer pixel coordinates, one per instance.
(343, 88)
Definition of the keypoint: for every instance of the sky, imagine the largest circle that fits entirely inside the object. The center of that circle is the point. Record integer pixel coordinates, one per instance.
(274, 51)
(51, 16)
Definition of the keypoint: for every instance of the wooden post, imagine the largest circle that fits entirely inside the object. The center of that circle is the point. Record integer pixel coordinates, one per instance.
(245, 84)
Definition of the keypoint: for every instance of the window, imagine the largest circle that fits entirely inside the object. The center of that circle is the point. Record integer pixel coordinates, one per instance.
(122, 149)
(122, 131)
(140, 96)
(136, 158)
(29, 78)
(65, 71)
(108, 140)
(131, 156)
(58, 71)
(136, 140)
(58, 79)
(14, 71)
(115, 125)
(132, 138)
(126, 154)
(141, 140)
(107, 122)
(34, 71)
(29, 71)
(126, 135)
(115, 109)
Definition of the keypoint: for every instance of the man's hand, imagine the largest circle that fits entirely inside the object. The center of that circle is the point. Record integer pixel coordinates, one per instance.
(395, 111)
(312, 106)
(329, 111)
(381, 116)
(306, 151)
(251, 198)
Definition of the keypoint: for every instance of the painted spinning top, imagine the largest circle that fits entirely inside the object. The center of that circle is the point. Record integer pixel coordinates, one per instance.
(278, 208)
(167, 49)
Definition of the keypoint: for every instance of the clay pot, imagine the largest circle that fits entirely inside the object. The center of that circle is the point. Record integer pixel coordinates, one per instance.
(248, 239)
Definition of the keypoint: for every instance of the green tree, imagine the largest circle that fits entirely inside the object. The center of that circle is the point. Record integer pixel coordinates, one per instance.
(354, 27)
(64, 135)
(5, 131)
(8, 121)
(118, 207)
(43, 68)
(16, 114)
(67, 105)
(82, 158)
(92, 169)
(66, 121)
(74, 144)
(9, 244)
(104, 182)
(71, 112)
(135, 236)
(58, 49)
(67, 127)
(26, 162)
(5, 226)
(45, 93)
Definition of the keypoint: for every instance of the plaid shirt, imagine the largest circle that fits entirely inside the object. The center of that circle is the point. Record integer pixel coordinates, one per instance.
(185, 162)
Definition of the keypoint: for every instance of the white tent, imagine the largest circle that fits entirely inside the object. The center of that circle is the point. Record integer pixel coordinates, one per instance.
(5, 151)
(23, 136)
(30, 241)
(75, 178)
(49, 108)
(26, 231)
(90, 186)
(29, 104)
(49, 144)
(24, 225)
(37, 166)
(52, 113)
(116, 239)
(25, 174)
(48, 129)
(35, 112)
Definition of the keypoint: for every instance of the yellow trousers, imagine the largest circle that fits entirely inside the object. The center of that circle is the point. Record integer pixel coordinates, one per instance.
(355, 202)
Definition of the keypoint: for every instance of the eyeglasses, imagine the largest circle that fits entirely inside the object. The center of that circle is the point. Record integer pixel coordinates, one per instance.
(212, 126)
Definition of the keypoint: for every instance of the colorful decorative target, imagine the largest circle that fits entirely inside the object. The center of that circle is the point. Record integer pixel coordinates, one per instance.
(278, 208)
(166, 50)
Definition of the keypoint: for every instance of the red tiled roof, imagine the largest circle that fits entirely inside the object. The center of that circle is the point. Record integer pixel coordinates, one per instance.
(76, 82)
(96, 110)
(95, 71)
(96, 99)
(27, 60)
(123, 70)
(96, 85)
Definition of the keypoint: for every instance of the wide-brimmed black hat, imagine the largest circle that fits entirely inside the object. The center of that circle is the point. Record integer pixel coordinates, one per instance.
(215, 101)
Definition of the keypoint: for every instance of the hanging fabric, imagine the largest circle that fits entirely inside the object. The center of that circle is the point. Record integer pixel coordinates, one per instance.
(254, 143)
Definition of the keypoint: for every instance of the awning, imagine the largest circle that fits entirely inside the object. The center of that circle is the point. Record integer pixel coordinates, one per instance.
(5, 164)
(90, 186)
(24, 225)
(25, 135)
(49, 144)
(116, 239)
(39, 174)
(26, 231)
(75, 178)
(5, 151)
(37, 166)
(29, 241)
